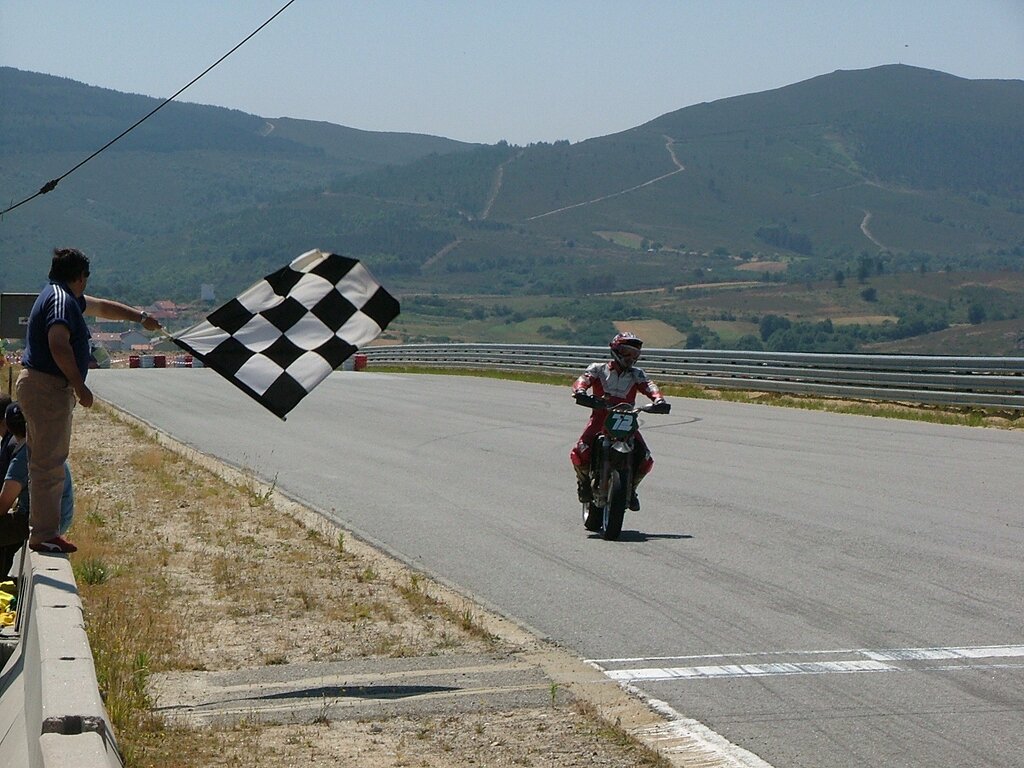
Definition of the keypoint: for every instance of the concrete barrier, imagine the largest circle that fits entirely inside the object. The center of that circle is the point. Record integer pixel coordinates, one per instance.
(51, 714)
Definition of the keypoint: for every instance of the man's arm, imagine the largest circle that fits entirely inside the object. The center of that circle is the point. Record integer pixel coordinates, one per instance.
(583, 383)
(109, 309)
(59, 338)
(650, 389)
(9, 495)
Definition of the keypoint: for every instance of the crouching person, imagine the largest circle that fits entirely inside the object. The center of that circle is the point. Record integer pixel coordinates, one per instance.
(13, 492)
(14, 495)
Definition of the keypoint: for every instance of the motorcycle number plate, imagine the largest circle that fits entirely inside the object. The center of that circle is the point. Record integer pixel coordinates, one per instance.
(620, 424)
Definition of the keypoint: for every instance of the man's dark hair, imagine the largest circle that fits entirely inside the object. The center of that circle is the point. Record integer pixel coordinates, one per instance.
(68, 265)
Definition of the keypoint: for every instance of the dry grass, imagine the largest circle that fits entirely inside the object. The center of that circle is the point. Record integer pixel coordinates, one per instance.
(967, 417)
(655, 333)
(180, 570)
(763, 266)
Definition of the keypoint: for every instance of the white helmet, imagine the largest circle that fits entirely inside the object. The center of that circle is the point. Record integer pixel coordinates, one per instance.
(625, 349)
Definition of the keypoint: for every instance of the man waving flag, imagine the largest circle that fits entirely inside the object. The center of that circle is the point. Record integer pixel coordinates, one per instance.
(280, 338)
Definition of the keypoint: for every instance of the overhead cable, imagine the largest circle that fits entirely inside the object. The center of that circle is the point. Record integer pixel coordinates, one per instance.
(52, 183)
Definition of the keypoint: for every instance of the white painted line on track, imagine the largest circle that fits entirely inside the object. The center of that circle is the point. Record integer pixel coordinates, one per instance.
(936, 654)
(760, 654)
(891, 654)
(686, 738)
(747, 670)
(864, 661)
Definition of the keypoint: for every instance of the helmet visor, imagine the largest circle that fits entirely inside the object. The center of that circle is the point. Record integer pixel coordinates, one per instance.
(627, 354)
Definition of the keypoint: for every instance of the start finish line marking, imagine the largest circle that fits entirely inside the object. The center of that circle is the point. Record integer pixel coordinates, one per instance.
(797, 663)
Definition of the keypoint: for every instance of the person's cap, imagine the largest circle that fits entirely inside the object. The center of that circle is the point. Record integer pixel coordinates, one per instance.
(14, 417)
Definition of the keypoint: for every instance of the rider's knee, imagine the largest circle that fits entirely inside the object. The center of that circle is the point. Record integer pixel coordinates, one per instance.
(580, 455)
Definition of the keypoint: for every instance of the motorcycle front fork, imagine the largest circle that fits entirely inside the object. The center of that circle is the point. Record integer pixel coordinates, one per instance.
(600, 472)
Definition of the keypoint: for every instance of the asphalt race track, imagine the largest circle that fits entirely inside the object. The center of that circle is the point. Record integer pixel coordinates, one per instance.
(818, 589)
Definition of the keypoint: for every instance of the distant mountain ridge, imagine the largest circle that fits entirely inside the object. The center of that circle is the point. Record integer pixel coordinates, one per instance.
(909, 166)
(48, 113)
(919, 165)
(186, 163)
(911, 125)
(893, 124)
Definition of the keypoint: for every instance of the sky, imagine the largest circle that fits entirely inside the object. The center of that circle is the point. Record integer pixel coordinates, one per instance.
(522, 71)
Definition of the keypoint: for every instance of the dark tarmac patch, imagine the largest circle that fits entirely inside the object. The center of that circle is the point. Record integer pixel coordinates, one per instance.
(353, 690)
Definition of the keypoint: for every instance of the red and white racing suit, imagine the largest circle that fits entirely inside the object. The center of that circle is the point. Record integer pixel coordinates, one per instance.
(615, 385)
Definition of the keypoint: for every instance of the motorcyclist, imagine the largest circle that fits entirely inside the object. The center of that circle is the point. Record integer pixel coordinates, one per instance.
(614, 382)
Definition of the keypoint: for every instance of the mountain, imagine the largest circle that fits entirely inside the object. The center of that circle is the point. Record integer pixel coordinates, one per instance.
(725, 211)
(936, 161)
(916, 166)
(184, 164)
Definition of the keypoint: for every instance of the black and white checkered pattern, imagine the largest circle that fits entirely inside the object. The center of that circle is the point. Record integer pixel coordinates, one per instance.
(281, 337)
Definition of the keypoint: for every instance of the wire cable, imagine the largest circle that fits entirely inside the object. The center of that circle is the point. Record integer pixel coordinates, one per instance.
(52, 183)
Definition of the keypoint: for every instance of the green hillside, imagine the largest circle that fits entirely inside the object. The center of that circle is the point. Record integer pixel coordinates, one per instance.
(937, 161)
(807, 203)
(920, 166)
(185, 164)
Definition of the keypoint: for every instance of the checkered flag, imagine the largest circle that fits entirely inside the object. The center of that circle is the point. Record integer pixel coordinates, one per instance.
(281, 337)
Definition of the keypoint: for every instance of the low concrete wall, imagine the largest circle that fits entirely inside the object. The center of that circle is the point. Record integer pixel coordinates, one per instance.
(51, 714)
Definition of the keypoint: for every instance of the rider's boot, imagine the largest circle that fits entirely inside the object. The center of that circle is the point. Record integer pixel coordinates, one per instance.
(634, 500)
(583, 491)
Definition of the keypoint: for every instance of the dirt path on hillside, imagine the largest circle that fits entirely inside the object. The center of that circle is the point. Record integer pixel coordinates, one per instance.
(669, 142)
(867, 232)
(442, 253)
(670, 146)
(499, 180)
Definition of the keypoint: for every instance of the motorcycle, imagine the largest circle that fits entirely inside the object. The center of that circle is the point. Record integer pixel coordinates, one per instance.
(612, 464)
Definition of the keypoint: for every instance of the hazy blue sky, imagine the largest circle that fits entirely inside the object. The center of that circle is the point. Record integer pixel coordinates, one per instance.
(520, 70)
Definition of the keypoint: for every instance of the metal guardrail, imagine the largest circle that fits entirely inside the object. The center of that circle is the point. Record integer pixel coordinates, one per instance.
(978, 382)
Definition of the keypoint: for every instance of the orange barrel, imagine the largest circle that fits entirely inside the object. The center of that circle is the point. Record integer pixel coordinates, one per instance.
(188, 361)
(134, 361)
(159, 361)
(359, 362)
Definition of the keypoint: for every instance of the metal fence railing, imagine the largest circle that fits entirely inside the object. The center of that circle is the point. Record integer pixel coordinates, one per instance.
(981, 382)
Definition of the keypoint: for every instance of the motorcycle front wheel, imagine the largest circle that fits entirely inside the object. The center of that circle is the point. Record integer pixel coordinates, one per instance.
(615, 509)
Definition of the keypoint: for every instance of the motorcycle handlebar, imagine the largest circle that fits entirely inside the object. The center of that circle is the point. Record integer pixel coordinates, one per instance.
(589, 401)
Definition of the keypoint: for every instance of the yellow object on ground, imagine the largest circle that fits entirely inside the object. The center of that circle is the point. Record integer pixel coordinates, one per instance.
(8, 592)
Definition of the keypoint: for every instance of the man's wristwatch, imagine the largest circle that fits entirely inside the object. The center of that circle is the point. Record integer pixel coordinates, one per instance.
(143, 316)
